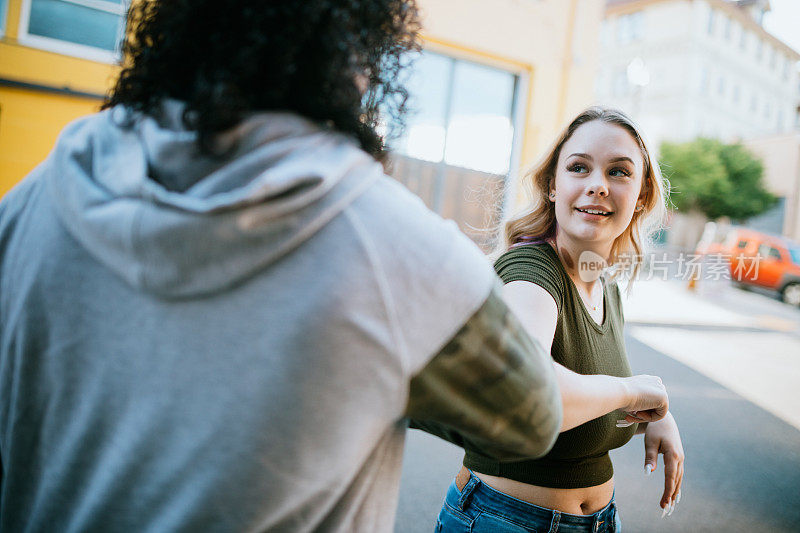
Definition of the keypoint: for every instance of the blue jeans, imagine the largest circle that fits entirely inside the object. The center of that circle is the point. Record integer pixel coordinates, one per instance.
(479, 507)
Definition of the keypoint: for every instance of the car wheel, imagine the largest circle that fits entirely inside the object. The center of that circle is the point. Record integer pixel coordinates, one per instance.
(791, 294)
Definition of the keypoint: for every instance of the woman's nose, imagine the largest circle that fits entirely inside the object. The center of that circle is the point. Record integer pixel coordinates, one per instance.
(596, 185)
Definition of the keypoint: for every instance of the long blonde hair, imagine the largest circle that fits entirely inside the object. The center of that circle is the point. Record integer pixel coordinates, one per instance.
(537, 222)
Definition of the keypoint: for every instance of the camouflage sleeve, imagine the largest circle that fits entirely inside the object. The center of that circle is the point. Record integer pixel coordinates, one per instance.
(492, 388)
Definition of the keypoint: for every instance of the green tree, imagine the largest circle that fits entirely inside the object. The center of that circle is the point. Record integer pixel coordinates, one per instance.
(715, 178)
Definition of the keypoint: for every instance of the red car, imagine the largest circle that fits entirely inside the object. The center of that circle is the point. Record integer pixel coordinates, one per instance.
(765, 261)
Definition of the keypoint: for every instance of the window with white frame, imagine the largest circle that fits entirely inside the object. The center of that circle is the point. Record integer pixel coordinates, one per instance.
(3, 10)
(85, 28)
(3, 4)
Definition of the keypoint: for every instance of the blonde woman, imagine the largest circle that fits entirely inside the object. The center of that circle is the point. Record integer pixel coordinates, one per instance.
(594, 198)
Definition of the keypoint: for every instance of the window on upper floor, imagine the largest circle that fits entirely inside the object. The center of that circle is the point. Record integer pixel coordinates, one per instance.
(736, 93)
(710, 25)
(773, 58)
(759, 49)
(620, 86)
(703, 79)
(753, 103)
(728, 28)
(743, 40)
(721, 85)
(606, 31)
(630, 27)
(85, 28)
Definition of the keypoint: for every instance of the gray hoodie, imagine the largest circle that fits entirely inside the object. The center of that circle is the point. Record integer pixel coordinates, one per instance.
(197, 344)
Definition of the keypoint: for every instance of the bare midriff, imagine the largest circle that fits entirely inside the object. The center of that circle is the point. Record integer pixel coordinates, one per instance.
(583, 501)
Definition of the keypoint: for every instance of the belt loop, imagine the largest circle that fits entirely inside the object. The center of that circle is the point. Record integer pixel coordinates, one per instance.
(467, 490)
(554, 522)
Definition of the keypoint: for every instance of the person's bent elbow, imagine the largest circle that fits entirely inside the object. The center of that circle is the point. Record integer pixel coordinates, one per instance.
(532, 435)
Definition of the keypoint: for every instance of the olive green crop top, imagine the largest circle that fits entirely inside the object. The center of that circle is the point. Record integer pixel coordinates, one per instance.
(579, 457)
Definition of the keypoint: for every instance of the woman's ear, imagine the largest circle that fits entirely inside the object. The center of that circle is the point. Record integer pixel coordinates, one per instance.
(644, 195)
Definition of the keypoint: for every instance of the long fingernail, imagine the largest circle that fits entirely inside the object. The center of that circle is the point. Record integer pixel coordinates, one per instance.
(678, 497)
(672, 508)
(624, 423)
(648, 468)
(664, 512)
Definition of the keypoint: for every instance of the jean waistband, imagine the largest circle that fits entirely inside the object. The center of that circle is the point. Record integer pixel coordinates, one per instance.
(478, 493)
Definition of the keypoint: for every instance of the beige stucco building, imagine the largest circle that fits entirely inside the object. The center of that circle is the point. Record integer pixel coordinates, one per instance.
(781, 157)
(707, 68)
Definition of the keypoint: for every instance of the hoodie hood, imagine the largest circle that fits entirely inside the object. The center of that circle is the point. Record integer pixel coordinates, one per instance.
(136, 193)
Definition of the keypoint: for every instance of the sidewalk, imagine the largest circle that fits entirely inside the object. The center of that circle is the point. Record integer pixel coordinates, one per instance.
(670, 303)
(754, 356)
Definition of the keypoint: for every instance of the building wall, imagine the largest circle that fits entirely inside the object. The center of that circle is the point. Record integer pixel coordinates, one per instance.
(714, 72)
(781, 157)
(40, 92)
(725, 78)
(550, 44)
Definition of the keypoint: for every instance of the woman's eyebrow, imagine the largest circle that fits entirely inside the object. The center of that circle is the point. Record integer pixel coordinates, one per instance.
(621, 158)
(585, 156)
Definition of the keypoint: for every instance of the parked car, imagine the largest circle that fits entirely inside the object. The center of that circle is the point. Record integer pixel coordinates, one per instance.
(764, 260)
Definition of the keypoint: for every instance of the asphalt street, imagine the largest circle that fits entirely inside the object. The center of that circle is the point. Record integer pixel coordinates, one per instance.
(742, 461)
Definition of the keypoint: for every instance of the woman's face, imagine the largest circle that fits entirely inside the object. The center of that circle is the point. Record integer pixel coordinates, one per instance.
(599, 170)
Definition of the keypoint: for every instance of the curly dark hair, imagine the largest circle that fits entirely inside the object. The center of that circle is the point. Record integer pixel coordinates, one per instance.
(225, 59)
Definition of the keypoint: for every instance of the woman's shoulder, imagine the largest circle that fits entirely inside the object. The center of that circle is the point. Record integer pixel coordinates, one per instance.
(535, 253)
(534, 263)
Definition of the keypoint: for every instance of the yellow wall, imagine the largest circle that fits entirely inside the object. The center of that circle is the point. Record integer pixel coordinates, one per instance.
(30, 119)
(29, 124)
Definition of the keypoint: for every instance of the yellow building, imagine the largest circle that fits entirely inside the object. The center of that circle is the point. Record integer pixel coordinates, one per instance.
(496, 82)
(56, 63)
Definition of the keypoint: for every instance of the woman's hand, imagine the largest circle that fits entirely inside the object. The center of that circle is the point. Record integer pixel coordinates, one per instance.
(647, 400)
(662, 437)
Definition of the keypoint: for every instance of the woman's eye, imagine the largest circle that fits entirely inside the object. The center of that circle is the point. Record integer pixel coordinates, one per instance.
(620, 173)
(577, 167)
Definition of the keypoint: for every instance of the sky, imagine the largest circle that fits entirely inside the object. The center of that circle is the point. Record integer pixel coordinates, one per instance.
(784, 21)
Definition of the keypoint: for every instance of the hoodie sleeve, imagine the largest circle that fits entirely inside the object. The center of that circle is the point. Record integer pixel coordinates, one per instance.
(492, 389)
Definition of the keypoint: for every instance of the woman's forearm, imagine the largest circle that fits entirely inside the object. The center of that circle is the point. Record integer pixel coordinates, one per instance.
(585, 398)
